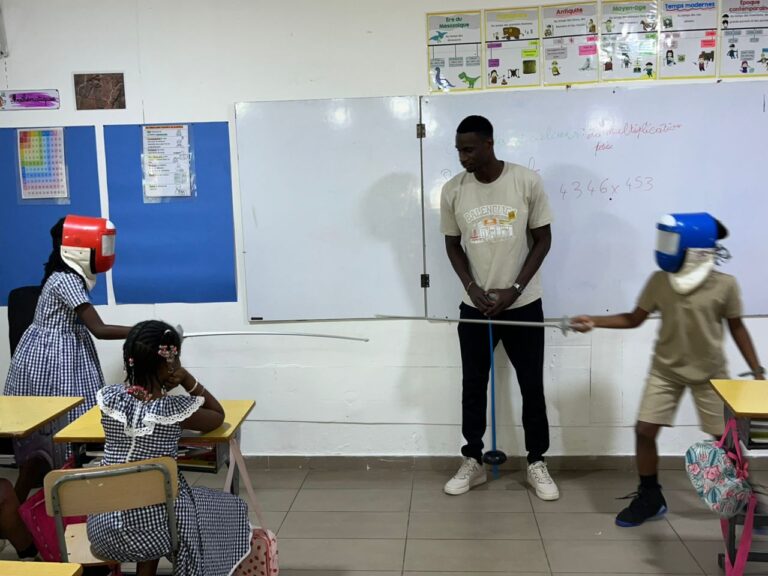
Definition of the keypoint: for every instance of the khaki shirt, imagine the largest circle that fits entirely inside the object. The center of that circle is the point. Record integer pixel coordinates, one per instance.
(493, 221)
(689, 345)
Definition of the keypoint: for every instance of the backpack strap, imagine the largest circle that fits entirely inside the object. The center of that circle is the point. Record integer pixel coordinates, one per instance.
(734, 450)
(736, 568)
(730, 428)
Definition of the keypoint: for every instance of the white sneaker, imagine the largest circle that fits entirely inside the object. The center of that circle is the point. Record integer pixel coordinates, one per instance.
(471, 473)
(541, 481)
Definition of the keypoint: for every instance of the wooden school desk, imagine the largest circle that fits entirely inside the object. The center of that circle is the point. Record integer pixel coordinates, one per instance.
(744, 400)
(20, 416)
(8, 568)
(88, 428)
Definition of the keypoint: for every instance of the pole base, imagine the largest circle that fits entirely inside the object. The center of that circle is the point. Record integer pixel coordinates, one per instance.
(494, 457)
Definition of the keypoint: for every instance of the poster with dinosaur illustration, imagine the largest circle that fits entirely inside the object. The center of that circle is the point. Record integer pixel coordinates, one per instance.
(512, 48)
(629, 47)
(569, 42)
(688, 39)
(454, 50)
(743, 38)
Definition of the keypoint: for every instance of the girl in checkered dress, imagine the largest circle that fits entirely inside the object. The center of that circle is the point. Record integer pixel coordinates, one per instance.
(141, 420)
(56, 355)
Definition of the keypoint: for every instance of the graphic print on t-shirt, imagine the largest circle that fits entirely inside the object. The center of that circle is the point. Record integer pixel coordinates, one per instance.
(491, 223)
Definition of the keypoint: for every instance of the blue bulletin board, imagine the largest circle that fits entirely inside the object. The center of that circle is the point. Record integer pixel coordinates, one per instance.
(24, 226)
(182, 250)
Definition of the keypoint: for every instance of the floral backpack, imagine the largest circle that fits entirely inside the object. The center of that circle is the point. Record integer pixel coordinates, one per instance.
(719, 475)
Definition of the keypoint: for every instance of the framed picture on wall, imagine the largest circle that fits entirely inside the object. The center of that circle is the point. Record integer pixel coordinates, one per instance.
(100, 91)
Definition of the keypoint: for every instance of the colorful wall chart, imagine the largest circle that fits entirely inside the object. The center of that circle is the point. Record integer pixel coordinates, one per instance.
(454, 46)
(42, 170)
(569, 41)
(629, 46)
(744, 41)
(688, 39)
(512, 48)
(32, 220)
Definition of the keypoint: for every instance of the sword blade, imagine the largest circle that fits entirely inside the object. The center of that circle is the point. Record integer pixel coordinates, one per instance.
(244, 333)
(562, 325)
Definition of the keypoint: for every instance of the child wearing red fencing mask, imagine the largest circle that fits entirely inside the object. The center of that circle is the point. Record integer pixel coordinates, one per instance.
(56, 355)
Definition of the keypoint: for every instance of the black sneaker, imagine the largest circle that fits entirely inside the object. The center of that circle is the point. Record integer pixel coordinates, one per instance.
(647, 504)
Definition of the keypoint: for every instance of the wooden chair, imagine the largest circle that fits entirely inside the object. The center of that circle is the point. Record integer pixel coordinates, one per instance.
(78, 492)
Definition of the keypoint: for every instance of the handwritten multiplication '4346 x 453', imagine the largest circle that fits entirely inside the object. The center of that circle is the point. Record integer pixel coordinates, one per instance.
(606, 187)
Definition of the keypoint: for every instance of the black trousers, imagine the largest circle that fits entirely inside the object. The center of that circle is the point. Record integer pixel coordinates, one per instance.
(525, 348)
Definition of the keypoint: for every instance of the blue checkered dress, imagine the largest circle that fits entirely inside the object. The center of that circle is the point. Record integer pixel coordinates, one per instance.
(214, 531)
(56, 355)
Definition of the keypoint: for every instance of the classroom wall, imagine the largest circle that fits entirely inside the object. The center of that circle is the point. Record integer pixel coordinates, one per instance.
(399, 394)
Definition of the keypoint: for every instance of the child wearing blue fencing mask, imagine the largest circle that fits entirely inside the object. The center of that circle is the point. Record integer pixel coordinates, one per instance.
(693, 300)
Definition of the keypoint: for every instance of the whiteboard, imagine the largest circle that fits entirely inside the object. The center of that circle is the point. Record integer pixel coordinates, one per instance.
(665, 149)
(331, 208)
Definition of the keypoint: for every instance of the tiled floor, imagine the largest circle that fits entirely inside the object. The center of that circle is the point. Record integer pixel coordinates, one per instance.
(390, 523)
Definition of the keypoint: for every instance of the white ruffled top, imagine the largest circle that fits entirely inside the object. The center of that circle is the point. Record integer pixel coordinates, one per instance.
(138, 417)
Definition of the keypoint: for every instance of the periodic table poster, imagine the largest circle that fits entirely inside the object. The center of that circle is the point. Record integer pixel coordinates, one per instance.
(42, 169)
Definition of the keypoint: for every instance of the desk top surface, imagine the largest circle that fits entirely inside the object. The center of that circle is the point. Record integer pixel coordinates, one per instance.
(745, 398)
(88, 427)
(22, 415)
(10, 568)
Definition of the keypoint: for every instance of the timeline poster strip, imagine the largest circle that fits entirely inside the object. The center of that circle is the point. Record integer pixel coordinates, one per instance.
(569, 41)
(629, 46)
(454, 50)
(688, 39)
(512, 46)
(744, 41)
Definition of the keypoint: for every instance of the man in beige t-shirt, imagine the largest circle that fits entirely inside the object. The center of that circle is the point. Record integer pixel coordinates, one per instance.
(694, 300)
(495, 217)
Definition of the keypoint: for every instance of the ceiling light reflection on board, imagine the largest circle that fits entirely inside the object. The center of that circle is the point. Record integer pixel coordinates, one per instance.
(403, 108)
(339, 116)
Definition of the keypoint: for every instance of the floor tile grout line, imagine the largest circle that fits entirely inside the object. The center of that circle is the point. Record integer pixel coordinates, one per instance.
(295, 496)
(685, 545)
(538, 528)
(696, 560)
(408, 524)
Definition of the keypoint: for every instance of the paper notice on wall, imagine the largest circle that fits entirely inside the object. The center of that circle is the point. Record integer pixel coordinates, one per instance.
(166, 161)
(42, 167)
(29, 100)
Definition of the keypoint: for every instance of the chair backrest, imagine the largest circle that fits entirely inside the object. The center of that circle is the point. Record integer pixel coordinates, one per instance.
(22, 303)
(78, 492)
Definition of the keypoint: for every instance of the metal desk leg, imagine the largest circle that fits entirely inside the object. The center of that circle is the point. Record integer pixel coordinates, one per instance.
(236, 468)
(78, 450)
(730, 545)
(234, 451)
(234, 444)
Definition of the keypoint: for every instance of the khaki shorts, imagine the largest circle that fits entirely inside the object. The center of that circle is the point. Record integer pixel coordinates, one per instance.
(662, 397)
